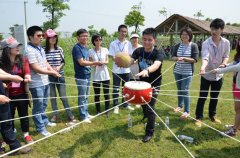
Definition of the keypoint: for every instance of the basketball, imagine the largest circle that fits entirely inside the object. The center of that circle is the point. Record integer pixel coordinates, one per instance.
(122, 59)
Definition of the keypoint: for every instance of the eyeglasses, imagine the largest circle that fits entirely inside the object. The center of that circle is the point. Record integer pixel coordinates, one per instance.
(40, 35)
(96, 40)
(84, 36)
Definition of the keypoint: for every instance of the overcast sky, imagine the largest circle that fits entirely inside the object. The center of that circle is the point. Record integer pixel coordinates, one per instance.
(109, 14)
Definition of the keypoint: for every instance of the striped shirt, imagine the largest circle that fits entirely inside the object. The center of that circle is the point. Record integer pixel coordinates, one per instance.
(181, 67)
(36, 54)
(55, 58)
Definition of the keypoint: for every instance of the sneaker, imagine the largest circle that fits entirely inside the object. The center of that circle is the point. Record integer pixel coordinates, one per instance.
(25, 150)
(28, 139)
(45, 133)
(215, 120)
(15, 130)
(138, 105)
(184, 116)
(116, 110)
(3, 144)
(231, 132)
(146, 138)
(70, 123)
(54, 118)
(90, 116)
(51, 124)
(177, 109)
(2, 150)
(198, 123)
(129, 108)
(86, 120)
(72, 119)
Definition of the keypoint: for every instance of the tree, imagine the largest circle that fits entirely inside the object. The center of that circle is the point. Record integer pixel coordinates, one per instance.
(92, 30)
(12, 29)
(55, 8)
(208, 19)
(134, 17)
(236, 24)
(198, 14)
(163, 12)
(1, 37)
(103, 32)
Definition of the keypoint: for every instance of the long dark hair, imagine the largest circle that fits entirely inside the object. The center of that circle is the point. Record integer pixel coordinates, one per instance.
(237, 55)
(47, 47)
(5, 62)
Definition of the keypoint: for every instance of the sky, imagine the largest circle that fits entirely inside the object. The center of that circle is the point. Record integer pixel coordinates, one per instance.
(109, 14)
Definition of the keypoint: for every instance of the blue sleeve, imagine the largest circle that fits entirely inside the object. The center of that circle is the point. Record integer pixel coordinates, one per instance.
(76, 53)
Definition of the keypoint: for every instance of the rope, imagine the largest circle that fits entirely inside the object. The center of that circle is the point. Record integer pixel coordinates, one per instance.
(60, 131)
(169, 129)
(202, 122)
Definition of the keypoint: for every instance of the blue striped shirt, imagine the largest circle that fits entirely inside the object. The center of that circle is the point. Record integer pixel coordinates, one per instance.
(55, 58)
(184, 68)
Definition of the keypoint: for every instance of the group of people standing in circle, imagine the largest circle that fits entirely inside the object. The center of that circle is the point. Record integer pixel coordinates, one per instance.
(41, 70)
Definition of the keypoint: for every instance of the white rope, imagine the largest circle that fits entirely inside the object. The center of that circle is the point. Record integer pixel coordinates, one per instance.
(14, 100)
(199, 97)
(163, 90)
(60, 131)
(161, 63)
(18, 118)
(201, 121)
(67, 84)
(73, 79)
(116, 75)
(169, 129)
(163, 73)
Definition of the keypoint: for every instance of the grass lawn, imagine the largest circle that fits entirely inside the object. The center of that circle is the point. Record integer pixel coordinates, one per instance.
(112, 138)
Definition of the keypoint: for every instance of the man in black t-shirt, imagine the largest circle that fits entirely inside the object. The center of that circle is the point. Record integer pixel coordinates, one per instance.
(150, 65)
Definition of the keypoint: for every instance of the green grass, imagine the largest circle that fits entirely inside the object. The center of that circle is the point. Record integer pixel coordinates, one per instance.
(107, 138)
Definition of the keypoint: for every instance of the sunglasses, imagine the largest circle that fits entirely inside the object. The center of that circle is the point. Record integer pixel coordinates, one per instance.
(40, 35)
(96, 40)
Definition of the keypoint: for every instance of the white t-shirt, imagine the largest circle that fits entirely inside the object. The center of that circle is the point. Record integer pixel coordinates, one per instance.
(118, 46)
(134, 68)
(99, 73)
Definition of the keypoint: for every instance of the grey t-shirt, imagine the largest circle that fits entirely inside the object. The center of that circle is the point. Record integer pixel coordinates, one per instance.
(37, 55)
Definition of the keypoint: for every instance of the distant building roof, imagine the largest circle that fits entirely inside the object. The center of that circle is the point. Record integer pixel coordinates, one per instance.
(197, 26)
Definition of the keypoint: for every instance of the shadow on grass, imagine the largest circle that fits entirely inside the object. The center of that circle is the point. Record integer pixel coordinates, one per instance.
(106, 136)
(229, 152)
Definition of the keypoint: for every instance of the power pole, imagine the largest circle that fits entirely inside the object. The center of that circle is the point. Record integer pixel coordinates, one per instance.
(25, 13)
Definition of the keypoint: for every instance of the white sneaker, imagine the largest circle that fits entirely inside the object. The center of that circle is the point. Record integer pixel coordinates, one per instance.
(90, 116)
(138, 105)
(129, 108)
(51, 124)
(116, 110)
(86, 120)
(15, 130)
(45, 133)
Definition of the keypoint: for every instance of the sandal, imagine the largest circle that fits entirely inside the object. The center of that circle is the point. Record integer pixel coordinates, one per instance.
(177, 109)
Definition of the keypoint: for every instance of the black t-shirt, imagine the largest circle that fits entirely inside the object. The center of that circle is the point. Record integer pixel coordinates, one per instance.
(149, 58)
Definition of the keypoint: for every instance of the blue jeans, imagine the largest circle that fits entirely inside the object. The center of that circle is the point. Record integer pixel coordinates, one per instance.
(83, 92)
(59, 83)
(116, 86)
(183, 90)
(6, 127)
(39, 106)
